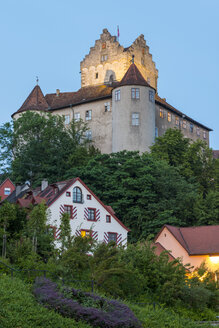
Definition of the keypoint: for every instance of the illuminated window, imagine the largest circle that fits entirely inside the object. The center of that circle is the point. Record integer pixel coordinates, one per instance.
(77, 195)
(86, 233)
(91, 214)
(184, 124)
(107, 106)
(151, 95)
(204, 134)
(68, 210)
(88, 135)
(67, 119)
(135, 119)
(176, 120)
(135, 93)
(169, 117)
(88, 115)
(7, 191)
(161, 113)
(112, 236)
(117, 95)
(104, 45)
(191, 127)
(108, 218)
(77, 117)
(198, 132)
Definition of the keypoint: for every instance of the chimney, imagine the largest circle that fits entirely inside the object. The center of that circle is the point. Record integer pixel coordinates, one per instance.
(57, 92)
(17, 190)
(44, 184)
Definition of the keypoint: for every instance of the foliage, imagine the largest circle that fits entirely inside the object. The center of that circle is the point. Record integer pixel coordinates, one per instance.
(117, 315)
(20, 309)
(65, 234)
(7, 216)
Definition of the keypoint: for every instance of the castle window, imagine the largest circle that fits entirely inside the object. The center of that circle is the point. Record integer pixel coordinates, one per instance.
(77, 195)
(104, 58)
(148, 80)
(104, 45)
(191, 127)
(96, 75)
(151, 95)
(169, 118)
(198, 132)
(176, 120)
(77, 117)
(88, 115)
(184, 124)
(135, 93)
(107, 106)
(204, 134)
(135, 119)
(88, 135)
(156, 132)
(161, 113)
(91, 214)
(142, 61)
(117, 95)
(67, 119)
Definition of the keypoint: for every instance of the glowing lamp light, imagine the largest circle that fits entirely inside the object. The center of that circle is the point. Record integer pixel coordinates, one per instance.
(214, 259)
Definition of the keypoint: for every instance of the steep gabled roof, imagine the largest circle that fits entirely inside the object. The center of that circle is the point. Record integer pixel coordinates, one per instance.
(133, 77)
(35, 101)
(203, 240)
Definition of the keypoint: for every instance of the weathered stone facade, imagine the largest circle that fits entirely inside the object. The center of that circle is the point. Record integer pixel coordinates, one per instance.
(129, 123)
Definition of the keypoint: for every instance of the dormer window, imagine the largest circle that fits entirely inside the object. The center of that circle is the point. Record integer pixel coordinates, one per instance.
(77, 195)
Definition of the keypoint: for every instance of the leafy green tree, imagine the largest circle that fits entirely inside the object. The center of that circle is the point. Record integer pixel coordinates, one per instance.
(7, 216)
(65, 231)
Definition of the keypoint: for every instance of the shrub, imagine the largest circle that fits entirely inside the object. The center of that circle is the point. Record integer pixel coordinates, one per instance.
(110, 314)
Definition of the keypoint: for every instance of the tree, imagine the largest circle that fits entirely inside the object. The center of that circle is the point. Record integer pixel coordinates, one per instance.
(37, 146)
(65, 234)
(7, 216)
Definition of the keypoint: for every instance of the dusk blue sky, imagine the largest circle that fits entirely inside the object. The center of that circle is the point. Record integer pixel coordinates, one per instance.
(49, 39)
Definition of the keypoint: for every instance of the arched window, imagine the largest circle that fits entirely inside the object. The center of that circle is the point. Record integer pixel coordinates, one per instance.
(77, 195)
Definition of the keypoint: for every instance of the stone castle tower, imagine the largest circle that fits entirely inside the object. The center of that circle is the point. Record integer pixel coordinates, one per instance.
(108, 61)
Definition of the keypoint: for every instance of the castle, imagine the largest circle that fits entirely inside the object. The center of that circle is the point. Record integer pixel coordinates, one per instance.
(118, 99)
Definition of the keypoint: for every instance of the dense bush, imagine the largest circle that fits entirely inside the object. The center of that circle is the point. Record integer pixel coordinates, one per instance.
(106, 313)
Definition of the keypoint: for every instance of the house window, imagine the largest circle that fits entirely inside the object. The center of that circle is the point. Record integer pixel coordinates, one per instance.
(191, 127)
(89, 197)
(68, 210)
(68, 194)
(161, 113)
(86, 233)
(169, 118)
(117, 95)
(135, 119)
(156, 132)
(88, 135)
(184, 124)
(108, 218)
(151, 95)
(77, 195)
(198, 132)
(91, 214)
(77, 117)
(67, 119)
(112, 236)
(7, 191)
(135, 92)
(104, 58)
(107, 106)
(96, 75)
(88, 115)
(204, 134)
(176, 120)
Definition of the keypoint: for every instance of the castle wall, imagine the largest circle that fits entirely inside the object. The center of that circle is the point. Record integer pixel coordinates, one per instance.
(125, 136)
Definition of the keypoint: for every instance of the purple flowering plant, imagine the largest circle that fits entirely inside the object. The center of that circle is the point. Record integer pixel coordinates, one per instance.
(73, 303)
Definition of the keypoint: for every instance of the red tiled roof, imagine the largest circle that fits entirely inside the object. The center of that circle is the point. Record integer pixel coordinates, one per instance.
(159, 249)
(133, 77)
(35, 101)
(201, 240)
(24, 202)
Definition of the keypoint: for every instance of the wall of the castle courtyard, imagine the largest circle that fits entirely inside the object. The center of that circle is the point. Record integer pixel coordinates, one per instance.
(125, 135)
(168, 120)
